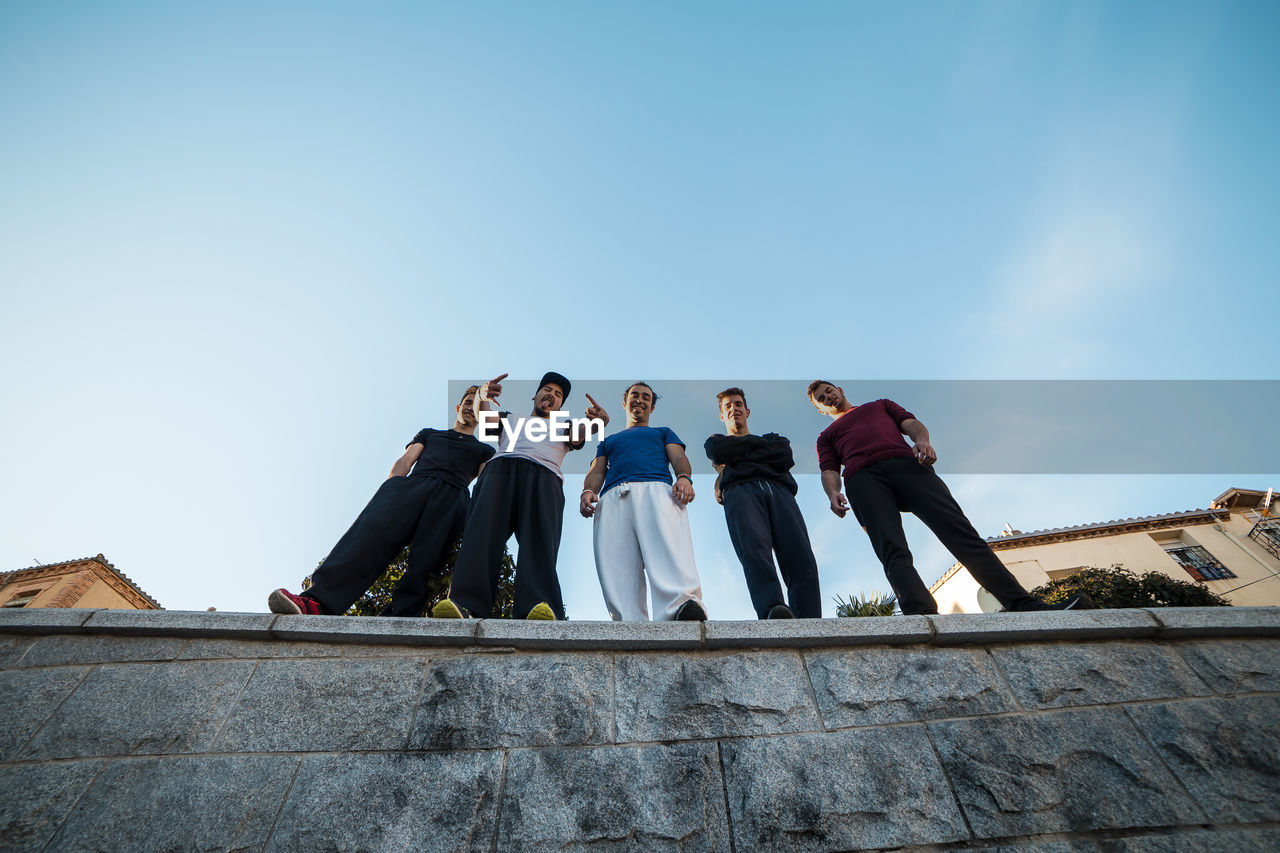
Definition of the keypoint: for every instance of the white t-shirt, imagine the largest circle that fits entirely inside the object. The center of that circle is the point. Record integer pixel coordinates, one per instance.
(545, 452)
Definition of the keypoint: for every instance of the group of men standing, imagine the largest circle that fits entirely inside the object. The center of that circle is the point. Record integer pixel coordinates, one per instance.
(641, 538)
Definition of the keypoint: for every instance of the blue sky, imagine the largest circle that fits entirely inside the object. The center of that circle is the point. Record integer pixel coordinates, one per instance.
(244, 246)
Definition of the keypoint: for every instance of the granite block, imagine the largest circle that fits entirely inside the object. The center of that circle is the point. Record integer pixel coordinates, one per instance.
(1225, 751)
(1178, 622)
(533, 634)
(80, 649)
(325, 705)
(35, 799)
(483, 701)
(217, 802)
(1067, 771)
(380, 650)
(181, 623)
(1056, 675)
(810, 633)
(1042, 626)
(1216, 840)
(143, 708)
(866, 687)
(1231, 666)
(681, 696)
(27, 699)
(396, 630)
(398, 801)
(211, 648)
(653, 798)
(851, 790)
(12, 648)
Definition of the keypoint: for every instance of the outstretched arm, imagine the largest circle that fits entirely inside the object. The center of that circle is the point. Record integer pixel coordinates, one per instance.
(682, 491)
(831, 485)
(591, 486)
(913, 429)
(489, 393)
(579, 435)
(404, 464)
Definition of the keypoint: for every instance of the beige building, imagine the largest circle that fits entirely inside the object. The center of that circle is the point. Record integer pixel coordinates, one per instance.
(89, 582)
(1233, 548)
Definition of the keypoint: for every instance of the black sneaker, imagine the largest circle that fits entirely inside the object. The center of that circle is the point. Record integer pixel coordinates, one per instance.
(691, 611)
(780, 611)
(1081, 601)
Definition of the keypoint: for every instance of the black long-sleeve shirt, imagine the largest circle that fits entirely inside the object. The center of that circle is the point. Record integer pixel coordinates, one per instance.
(750, 458)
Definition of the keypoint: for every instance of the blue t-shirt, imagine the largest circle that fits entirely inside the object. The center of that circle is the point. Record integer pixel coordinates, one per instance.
(637, 455)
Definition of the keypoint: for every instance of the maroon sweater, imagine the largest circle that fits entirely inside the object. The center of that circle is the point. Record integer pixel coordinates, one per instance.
(863, 435)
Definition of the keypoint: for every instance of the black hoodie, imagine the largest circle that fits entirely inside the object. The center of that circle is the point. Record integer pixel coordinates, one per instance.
(750, 458)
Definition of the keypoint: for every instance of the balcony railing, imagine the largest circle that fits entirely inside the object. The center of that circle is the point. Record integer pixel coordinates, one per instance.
(1267, 534)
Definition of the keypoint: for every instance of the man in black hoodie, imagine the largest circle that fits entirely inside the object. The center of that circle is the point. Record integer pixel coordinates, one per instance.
(758, 493)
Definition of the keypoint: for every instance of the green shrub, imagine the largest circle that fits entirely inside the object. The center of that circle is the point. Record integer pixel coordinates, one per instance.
(378, 595)
(1119, 587)
(874, 604)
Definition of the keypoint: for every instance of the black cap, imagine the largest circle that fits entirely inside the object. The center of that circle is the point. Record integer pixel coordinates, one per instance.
(557, 379)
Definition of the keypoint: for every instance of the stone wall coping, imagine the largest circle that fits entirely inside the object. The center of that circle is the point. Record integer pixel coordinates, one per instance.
(863, 631)
(44, 620)
(952, 629)
(1070, 625)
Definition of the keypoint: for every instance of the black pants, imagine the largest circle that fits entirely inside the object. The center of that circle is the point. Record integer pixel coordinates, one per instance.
(422, 512)
(764, 519)
(512, 496)
(882, 491)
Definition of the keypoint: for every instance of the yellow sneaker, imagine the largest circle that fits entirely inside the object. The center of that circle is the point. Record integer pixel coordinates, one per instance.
(541, 611)
(446, 609)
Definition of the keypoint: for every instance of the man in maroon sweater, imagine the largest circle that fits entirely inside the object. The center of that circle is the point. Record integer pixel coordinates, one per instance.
(885, 477)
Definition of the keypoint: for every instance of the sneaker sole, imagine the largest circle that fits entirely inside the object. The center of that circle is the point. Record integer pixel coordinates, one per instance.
(278, 602)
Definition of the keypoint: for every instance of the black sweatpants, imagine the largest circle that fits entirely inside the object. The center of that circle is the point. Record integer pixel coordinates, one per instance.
(422, 512)
(882, 491)
(763, 518)
(517, 496)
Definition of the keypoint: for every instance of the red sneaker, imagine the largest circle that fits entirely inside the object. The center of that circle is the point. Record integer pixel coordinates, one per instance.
(283, 601)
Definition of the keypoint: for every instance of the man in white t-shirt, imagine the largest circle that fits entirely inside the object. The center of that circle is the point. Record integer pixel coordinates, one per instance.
(519, 491)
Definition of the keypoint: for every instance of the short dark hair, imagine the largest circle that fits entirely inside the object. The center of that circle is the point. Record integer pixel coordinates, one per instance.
(731, 392)
(645, 384)
(813, 386)
(471, 389)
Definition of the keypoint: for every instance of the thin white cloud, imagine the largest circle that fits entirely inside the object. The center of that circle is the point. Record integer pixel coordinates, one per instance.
(1087, 257)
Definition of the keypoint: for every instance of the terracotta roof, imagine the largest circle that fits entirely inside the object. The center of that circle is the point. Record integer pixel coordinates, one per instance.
(1094, 530)
(1083, 531)
(100, 559)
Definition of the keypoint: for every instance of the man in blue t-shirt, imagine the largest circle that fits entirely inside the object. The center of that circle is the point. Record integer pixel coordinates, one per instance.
(641, 526)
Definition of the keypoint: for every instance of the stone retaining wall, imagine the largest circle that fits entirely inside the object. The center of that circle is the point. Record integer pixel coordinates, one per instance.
(1103, 730)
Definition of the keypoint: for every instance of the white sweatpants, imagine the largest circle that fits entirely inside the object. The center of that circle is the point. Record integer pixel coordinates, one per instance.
(640, 529)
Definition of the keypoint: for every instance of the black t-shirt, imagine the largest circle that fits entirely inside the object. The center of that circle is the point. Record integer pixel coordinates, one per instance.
(750, 458)
(451, 456)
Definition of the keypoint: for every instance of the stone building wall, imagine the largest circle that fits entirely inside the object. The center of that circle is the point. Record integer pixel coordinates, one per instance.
(1103, 730)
